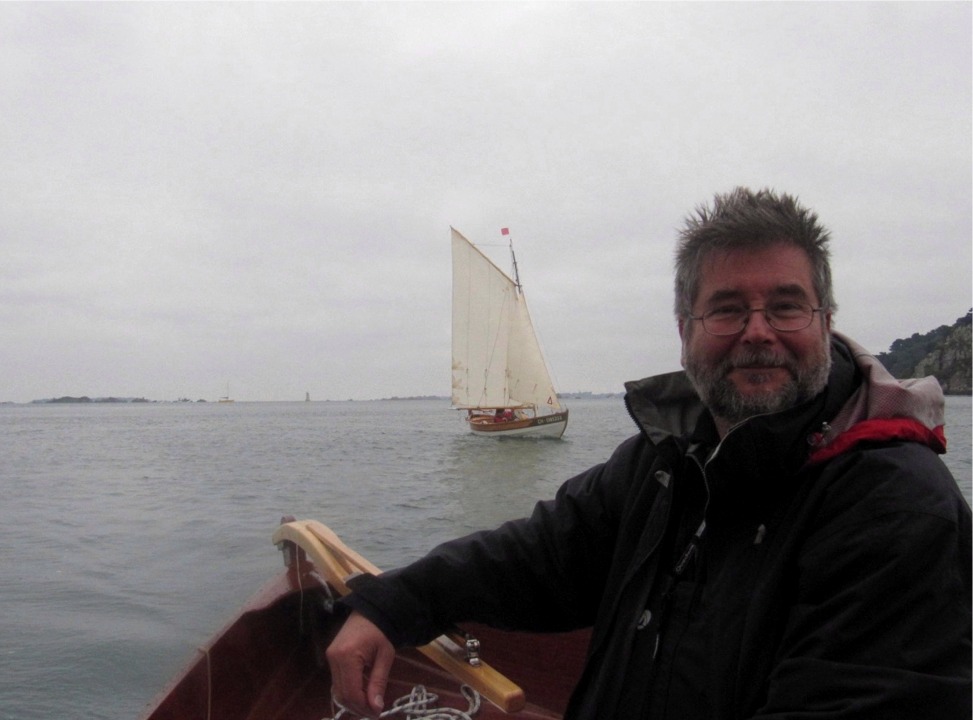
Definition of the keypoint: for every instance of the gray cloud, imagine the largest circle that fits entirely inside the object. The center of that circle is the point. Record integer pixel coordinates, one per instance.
(261, 194)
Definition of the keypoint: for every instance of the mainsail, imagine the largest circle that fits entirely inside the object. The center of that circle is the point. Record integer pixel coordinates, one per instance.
(497, 361)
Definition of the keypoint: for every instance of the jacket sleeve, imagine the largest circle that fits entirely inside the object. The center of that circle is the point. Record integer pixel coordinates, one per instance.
(880, 626)
(541, 573)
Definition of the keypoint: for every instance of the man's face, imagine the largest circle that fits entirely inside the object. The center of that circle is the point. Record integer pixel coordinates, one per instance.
(758, 370)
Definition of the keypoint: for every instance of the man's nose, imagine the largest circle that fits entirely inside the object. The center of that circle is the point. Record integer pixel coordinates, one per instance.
(757, 329)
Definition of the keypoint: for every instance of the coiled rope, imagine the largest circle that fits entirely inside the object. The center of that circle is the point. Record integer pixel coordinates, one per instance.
(421, 703)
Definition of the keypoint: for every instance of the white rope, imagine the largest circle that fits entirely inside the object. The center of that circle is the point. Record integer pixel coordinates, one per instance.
(420, 703)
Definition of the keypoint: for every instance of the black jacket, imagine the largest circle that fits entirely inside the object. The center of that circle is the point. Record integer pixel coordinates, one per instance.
(789, 571)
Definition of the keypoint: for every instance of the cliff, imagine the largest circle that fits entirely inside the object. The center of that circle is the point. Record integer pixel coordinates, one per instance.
(946, 353)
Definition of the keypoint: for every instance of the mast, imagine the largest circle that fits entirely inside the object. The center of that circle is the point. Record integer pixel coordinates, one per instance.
(513, 257)
(506, 232)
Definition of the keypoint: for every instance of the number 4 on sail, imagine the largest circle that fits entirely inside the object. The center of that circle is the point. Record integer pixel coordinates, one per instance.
(499, 374)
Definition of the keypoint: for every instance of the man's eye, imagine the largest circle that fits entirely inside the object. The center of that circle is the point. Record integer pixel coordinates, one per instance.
(724, 311)
(787, 309)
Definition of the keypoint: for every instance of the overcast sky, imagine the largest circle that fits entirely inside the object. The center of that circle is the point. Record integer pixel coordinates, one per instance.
(260, 195)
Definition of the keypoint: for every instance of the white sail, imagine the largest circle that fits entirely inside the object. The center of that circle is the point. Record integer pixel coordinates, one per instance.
(497, 361)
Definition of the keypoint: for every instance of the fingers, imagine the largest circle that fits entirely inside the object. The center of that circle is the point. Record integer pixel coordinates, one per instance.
(360, 658)
(378, 679)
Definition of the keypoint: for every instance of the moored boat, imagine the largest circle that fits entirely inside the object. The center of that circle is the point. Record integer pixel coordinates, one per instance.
(226, 398)
(268, 661)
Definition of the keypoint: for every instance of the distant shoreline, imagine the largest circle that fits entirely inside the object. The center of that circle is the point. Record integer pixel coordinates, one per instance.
(85, 400)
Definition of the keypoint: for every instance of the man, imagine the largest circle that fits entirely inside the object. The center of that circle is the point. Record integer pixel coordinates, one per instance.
(779, 540)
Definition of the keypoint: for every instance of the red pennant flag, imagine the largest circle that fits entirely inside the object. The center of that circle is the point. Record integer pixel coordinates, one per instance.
(504, 231)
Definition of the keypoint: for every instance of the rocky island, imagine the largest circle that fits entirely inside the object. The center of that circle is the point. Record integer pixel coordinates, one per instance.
(944, 353)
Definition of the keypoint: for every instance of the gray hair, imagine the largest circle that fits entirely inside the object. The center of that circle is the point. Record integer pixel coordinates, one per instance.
(746, 220)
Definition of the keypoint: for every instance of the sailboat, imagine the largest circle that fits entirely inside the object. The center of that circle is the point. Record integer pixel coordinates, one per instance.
(226, 398)
(499, 374)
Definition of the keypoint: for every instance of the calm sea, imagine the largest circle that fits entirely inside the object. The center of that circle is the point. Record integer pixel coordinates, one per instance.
(130, 533)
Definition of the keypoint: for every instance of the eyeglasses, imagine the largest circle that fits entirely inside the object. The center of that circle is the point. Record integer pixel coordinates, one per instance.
(784, 316)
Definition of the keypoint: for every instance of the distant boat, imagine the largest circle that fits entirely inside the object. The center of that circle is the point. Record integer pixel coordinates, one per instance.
(499, 374)
(226, 398)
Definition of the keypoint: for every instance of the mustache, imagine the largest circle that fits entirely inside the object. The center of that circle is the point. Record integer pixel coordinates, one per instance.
(756, 357)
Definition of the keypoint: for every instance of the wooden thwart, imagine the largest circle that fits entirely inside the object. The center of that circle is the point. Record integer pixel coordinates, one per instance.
(337, 562)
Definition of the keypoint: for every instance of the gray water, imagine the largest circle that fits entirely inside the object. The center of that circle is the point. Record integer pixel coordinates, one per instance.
(130, 533)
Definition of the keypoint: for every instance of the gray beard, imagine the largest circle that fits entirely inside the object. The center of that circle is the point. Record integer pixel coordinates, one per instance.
(723, 400)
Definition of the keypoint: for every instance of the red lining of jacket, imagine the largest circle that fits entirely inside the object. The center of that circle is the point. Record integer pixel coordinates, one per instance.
(882, 429)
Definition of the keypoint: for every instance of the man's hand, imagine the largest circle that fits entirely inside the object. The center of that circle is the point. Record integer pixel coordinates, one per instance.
(360, 657)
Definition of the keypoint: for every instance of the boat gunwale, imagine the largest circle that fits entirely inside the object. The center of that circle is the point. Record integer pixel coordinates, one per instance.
(548, 675)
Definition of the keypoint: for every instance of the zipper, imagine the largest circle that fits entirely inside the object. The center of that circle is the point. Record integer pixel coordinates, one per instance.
(692, 549)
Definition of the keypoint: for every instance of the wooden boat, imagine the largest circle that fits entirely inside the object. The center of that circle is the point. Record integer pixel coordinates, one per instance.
(499, 374)
(268, 661)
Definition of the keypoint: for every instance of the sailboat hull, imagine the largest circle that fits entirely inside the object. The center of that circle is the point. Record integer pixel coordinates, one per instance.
(552, 425)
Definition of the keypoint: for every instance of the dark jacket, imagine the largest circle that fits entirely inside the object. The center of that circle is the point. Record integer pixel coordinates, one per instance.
(815, 563)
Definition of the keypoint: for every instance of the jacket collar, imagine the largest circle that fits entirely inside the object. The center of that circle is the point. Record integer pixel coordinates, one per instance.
(918, 402)
(859, 389)
(666, 406)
